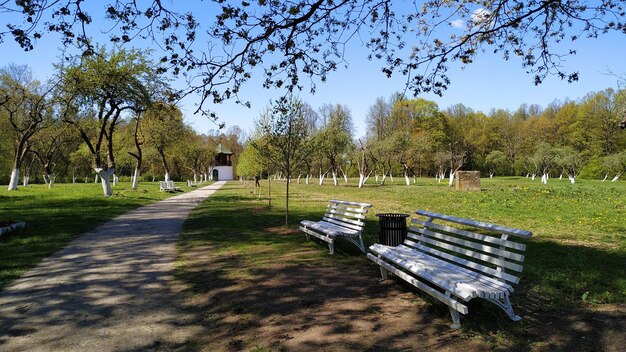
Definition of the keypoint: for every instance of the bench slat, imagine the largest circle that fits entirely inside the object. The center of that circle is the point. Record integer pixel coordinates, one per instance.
(477, 236)
(345, 209)
(356, 222)
(347, 226)
(478, 246)
(345, 213)
(465, 252)
(478, 224)
(362, 205)
(467, 263)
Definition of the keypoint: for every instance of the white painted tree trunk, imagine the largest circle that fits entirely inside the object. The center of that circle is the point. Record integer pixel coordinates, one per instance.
(491, 175)
(74, 178)
(307, 179)
(414, 180)
(605, 177)
(561, 176)
(299, 176)
(115, 180)
(136, 178)
(167, 176)
(50, 182)
(572, 179)
(544, 179)
(15, 178)
(334, 178)
(451, 182)
(382, 181)
(97, 178)
(105, 178)
(361, 180)
(616, 177)
(25, 180)
(376, 177)
(533, 177)
(391, 177)
(407, 179)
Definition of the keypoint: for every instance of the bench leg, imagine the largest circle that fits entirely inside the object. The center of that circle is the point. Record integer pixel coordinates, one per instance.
(361, 245)
(505, 305)
(331, 248)
(456, 319)
(384, 273)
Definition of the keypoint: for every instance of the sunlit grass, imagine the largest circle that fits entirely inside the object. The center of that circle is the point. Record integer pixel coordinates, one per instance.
(55, 216)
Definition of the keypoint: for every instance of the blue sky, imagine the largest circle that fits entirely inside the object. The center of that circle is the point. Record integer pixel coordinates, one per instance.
(489, 82)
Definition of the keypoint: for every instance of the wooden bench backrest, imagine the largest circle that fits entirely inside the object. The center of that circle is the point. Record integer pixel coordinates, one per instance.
(490, 252)
(347, 214)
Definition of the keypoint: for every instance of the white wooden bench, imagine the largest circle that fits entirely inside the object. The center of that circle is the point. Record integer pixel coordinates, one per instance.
(455, 260)
(164, 186)
(342, 219)
(170, 185)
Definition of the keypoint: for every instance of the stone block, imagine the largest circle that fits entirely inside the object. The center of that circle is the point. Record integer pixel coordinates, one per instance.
(468, 180)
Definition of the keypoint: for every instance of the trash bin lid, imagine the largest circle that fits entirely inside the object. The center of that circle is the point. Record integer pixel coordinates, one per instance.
(392, 215)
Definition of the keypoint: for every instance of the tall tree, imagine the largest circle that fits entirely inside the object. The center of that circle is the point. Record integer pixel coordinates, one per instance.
(104, 86)
(163, 127)
(28, 107)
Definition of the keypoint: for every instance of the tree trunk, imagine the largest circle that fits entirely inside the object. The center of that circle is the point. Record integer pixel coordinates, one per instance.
(382, 182)
(167, 176)
(105, 177)
(451, 182)
(605, 177)
(361, 180)
(51, 179)
(97, 178)
(25, 180)
(136, 178)
(15, 178)
(287, 201)
(115, 179)
(616, 177)
(334, 178)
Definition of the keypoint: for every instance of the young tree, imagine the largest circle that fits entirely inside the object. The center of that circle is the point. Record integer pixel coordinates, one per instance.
(28, 106)
(102, 87)
(282, 128)
(163, 127)
(571, 161)
(496, 160)
(335, 137)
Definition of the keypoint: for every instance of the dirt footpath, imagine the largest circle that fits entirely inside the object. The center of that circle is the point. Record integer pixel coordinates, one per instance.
(108, 290)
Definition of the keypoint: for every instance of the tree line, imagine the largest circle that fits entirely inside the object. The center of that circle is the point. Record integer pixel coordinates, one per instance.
(105, 114)
(414, 137)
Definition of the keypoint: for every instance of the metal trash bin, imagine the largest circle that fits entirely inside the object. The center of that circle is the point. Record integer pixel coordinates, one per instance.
(391, 228)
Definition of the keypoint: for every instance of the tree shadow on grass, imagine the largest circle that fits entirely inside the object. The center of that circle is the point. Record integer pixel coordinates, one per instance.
(256, 288)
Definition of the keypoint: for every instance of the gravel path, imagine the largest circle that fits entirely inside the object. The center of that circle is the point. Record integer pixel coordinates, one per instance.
(108, 290)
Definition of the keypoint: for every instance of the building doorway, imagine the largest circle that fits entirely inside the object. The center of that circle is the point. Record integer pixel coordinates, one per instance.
(216, 175)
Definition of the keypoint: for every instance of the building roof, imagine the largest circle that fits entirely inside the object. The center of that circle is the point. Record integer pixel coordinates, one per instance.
(222, 149)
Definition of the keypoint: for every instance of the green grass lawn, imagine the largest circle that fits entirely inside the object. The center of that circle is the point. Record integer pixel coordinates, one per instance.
(55, 216)
(575, 261)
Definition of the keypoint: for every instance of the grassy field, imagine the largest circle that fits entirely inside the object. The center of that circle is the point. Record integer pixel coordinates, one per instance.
(575, 263)
(55, 216)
